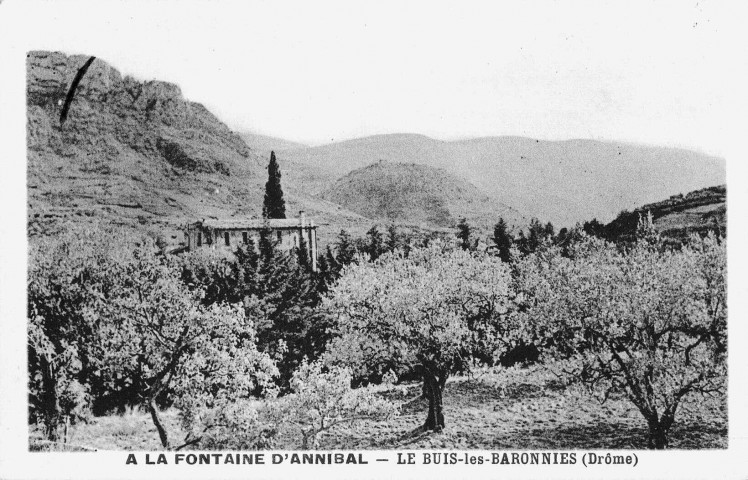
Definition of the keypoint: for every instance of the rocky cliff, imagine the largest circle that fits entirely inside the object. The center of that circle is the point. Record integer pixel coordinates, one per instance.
(137, 153)
(130, 152)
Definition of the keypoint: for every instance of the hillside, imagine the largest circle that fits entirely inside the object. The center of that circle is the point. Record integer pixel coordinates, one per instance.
(266, 144)
(416, 194)
(561, 181)
(678, 216)
(138, 154)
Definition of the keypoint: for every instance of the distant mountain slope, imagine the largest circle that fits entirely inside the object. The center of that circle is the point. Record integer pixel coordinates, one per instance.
(678, 216)
(264, 143)
(138, 154)
(416, 194)
(561, 181)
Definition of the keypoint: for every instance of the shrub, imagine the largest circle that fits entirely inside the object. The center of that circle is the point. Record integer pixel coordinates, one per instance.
(321, 400)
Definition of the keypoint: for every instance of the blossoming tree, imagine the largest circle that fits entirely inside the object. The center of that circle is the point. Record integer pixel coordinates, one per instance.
(154, 331)
(648, 322)
(423, 313)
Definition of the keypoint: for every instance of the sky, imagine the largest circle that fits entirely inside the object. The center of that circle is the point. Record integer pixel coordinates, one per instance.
(317, 72)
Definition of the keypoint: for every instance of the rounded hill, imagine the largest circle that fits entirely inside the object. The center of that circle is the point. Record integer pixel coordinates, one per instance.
(415, 194)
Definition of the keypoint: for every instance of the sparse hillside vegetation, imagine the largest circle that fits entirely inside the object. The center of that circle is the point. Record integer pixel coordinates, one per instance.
(679, 216)
(415, 194)
(564, 182)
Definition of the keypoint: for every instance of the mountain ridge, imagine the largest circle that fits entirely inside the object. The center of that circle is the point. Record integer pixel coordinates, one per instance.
(565, 181)
(137, 153)
(267, 143)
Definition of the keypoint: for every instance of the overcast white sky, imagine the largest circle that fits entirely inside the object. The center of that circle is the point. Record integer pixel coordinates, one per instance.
(315, 72)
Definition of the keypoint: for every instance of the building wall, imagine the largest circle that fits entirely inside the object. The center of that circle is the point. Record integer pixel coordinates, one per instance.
(286, 238)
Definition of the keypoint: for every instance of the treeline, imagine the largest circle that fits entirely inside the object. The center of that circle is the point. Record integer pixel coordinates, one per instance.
(644, 320)
(241, 342)
(623, 227)
(115, 322)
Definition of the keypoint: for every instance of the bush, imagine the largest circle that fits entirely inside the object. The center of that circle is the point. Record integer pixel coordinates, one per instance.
(322, 399)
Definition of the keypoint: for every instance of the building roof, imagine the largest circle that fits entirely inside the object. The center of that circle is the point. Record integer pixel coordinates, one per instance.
(256, 223)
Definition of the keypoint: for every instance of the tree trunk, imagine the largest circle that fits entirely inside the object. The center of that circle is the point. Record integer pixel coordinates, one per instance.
(434, 387)
(157, 422)
(50, 401)
(658, 432)
(161, 381)
(309, 439)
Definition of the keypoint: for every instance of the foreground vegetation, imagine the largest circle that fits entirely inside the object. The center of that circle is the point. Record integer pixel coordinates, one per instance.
(531, 411)
(254, 350)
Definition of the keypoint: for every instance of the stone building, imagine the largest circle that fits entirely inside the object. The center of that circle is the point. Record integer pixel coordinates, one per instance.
(228, 234)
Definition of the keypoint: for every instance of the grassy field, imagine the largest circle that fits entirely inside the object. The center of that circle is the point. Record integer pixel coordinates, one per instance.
(480, 414)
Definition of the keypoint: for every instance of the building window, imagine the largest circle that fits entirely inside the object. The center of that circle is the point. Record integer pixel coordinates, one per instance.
(226, 238)
(199, 239)
(244, 238)
(280, 235)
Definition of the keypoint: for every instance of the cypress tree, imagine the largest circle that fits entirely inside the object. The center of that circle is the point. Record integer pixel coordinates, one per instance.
(266, 245)
(323, 273)
(503, 240)
(549, 230)
(302, 255)
(392, 237)
(274, 206)
(247, 261)
(345, 249)
(522, 243)
(375, 243)
(332, 264)
(463, 234)
(535, 235)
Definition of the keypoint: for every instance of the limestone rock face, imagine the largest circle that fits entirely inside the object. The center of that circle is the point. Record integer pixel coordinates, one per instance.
(138, 115)
(136, 152)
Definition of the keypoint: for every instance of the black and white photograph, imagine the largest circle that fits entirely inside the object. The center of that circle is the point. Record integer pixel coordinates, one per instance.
(468, 238)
